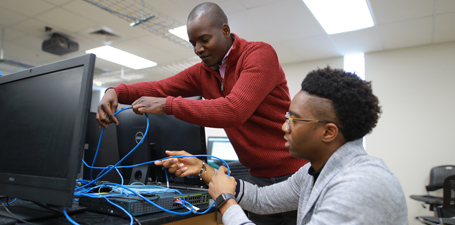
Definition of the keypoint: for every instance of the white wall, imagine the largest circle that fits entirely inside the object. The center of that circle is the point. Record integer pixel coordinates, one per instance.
(415, 87)
(416, 90)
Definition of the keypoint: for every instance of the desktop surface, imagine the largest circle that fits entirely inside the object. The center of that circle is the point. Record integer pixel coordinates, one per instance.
(90, 217)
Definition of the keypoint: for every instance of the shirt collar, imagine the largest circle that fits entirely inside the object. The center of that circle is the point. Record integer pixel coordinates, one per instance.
(315, 173)
(223, 62)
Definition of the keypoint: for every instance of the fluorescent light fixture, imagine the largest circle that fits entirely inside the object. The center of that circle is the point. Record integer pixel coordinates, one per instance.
(338, 16)
(180, 32)
(121, 57)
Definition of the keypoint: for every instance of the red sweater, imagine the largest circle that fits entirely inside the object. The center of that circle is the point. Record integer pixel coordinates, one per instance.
(250, 108)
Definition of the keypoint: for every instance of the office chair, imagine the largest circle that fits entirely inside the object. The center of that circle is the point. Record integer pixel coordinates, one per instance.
(445, 213)
(437, 176)
(238, 170)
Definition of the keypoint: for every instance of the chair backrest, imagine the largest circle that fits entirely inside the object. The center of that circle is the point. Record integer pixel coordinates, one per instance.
(437, 176)
(448, 205)
(238, 170)
(449, 192)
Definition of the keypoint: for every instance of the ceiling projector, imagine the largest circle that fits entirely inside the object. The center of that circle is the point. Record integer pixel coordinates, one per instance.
(59, 45)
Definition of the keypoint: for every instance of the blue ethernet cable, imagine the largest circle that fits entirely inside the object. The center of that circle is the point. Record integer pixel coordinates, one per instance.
(109, 168)
(121, 208)
(129, 153)
(7, 199)
(68, 217)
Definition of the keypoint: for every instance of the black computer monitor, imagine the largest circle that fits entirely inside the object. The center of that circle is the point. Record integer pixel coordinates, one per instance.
(166, 132)
(106, 151)
(42, 130)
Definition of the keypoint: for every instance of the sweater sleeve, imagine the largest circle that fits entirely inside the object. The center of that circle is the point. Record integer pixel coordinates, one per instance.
(182, 84)
(276, 198)
(235, 216)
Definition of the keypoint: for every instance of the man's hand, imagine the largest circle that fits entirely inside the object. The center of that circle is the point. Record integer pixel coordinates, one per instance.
(106, 109)
(145, 104)
(221, 183)
(183, 166)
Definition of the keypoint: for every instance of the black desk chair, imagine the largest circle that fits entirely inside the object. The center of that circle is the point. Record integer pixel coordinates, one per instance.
(445, 213)
(238, 170)
(437, 176)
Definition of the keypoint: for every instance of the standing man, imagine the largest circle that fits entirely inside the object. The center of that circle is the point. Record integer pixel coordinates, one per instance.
(245, 92)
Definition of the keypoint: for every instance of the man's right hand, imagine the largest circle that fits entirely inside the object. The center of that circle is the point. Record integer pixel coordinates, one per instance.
(106, 108)
(181, 167)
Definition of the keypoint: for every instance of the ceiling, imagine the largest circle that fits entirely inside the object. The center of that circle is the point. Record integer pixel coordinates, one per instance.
(285, 24)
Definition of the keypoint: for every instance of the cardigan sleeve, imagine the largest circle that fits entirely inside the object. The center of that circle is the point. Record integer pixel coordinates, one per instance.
(276, 198)
(235, 216)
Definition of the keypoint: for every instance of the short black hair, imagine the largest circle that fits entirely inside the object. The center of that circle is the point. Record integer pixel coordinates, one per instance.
(356, 107)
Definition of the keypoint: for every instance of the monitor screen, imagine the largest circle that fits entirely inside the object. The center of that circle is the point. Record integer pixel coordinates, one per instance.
(166, 132)
(43, 118)
(222, 148)
(107, 150)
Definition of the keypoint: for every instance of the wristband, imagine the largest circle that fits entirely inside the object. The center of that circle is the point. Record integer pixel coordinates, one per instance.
(202, 169)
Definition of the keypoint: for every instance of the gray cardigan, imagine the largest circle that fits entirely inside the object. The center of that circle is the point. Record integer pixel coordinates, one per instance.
(352, 188)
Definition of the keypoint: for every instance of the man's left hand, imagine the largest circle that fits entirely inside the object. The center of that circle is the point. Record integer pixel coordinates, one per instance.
(154, 105)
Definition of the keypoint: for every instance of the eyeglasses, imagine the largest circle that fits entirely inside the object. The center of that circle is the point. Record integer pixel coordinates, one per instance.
(289, 118)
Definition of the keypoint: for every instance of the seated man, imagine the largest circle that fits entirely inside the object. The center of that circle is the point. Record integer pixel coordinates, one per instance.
(342, 184)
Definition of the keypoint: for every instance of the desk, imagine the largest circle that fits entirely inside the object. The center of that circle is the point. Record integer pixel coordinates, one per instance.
(165, 218)
(93, 218)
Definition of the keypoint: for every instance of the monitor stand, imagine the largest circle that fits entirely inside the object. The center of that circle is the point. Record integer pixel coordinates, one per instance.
(29, 211)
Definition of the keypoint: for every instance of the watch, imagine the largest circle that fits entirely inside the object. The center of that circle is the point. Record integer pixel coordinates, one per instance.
(221, 199)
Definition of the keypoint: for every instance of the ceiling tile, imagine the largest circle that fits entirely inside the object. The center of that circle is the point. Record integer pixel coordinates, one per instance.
(266, 27)
(58, 2)
(32, 27)
(27, 8)
(388, 11)
(444, 6)
(317, 47)
(444, 28)
(64, 19)
(10, 34)
(405, 34)
(9, 18)
(365, 40)
(249, 4)
(165, 51)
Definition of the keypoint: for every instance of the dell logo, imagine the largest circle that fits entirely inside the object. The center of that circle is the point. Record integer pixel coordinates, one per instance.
(138, 137)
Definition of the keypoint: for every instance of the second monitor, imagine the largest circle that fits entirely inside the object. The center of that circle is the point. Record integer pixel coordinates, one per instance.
(166, 132)
(222, 148)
